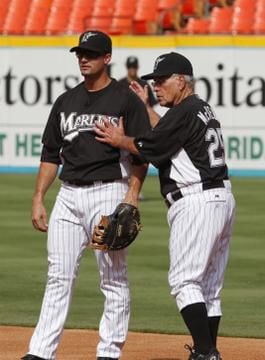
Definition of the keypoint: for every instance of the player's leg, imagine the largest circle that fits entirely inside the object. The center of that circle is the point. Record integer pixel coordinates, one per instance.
(114, 322)
(66, 243)
(189, 248)
(113, 278)
(214, 274)
(191, 243)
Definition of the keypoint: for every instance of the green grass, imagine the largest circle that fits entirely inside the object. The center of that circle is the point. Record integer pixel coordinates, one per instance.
(23, 265)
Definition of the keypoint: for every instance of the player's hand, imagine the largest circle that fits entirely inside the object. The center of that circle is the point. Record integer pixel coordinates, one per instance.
(141, 92)
(39, 216)
(107, 133)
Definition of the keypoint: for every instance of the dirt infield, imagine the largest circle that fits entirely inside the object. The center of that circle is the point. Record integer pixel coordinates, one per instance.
(81, 344)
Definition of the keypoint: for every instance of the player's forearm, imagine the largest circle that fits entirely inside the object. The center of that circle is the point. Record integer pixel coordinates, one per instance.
(142, 93)
(153, 116)
(46, 176)
(127, 143)
(136, 181)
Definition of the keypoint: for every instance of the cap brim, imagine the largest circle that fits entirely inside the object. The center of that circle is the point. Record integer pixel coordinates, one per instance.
(85, 48)
(154, 75)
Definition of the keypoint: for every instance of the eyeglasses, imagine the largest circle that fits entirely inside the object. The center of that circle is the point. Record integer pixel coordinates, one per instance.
(88, 54)
(162, 79)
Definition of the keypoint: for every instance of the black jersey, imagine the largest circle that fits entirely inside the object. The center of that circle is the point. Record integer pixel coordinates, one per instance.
(69, 138)
(151, 98)
(186, 146)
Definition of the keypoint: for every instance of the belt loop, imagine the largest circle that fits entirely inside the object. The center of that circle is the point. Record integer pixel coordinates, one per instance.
(173, 196)
(169, 198)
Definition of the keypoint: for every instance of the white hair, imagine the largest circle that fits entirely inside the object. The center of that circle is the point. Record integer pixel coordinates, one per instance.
(188, 78)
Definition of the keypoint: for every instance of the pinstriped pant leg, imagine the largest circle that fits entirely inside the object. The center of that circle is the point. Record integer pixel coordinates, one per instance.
(214, 275)
(114, 285)
(66, 243)
(198, 222)
(115, 318)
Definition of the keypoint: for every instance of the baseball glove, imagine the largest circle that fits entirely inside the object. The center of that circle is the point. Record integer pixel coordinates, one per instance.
(117, 230)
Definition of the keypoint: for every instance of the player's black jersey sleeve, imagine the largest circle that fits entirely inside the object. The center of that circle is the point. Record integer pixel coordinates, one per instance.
(166, 138)
(186, 145)
(52, 138)
(69, 137)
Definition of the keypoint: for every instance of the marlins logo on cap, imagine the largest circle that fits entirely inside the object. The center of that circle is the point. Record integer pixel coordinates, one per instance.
(168, 64)
(160, 58)
(96, 41)
(86, 36)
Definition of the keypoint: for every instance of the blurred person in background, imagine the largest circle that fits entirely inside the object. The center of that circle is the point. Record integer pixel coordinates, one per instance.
(132, 67)
(219, 3)
(175, 18)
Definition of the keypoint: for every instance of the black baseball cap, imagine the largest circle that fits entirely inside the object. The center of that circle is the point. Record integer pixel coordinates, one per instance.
(96, 41)
(132, 62)
(168, 64)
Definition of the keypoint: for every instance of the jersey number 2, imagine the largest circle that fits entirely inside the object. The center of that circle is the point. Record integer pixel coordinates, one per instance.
(214, 137)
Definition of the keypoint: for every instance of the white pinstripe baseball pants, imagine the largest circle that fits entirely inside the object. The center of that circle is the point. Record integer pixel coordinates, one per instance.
(201, 225)
(76, 211)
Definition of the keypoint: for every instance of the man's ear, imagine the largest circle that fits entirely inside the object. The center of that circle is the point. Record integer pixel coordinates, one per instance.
(183, 81)
(107, 59)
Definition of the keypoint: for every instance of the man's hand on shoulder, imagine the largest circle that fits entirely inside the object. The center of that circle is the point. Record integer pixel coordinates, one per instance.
(115, 136)
(107, 133)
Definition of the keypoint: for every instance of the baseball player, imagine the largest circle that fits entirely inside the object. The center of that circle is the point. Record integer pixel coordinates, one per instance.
(95, 178)
(186, 145)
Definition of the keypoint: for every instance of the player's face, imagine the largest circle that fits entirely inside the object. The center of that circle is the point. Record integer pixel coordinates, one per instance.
(168, 89)
(132, 72)
(91, 63)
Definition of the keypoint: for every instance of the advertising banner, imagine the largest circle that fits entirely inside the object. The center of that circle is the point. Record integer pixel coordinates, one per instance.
(231, 78)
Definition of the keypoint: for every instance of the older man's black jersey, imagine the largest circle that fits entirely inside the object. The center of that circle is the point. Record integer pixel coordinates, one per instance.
(69, 138)
(186, 145)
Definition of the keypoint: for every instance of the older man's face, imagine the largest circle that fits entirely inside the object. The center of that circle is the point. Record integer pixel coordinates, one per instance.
(168, 89)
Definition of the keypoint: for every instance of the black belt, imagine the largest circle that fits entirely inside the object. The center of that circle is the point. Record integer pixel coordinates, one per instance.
(213, 185)
(177, 195)
(87, 183)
